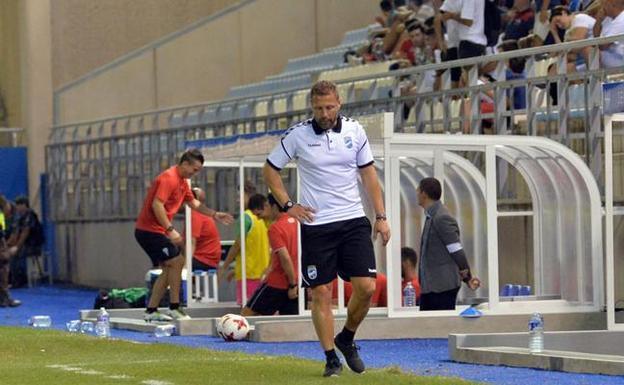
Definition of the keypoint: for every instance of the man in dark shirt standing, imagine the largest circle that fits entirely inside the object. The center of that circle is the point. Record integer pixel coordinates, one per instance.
(25, 241)
(443, 264)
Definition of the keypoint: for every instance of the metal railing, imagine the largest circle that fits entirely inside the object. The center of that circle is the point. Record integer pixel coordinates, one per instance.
(100, 170)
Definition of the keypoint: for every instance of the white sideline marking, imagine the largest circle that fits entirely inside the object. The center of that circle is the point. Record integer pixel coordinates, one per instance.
(119, 377)
(91, 372)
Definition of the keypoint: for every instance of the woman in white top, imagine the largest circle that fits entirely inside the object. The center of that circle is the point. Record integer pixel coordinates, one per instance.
(578, 26)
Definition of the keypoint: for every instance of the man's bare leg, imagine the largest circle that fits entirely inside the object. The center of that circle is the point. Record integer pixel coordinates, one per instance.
(158, 289)
(363, 289)
(175, 266)
(359, 304)
(322, 315)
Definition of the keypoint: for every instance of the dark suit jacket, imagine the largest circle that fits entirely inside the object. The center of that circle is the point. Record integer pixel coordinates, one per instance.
(438, 269)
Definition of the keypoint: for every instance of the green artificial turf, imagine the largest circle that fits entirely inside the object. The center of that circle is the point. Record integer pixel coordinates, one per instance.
(38, 357)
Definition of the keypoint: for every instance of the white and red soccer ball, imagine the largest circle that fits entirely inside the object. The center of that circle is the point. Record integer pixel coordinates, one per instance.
(233, 327)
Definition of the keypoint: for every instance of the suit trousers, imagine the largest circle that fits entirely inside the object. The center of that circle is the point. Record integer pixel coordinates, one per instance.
(439, 301)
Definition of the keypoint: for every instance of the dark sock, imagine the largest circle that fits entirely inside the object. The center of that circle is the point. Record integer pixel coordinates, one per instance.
(151, 310)
(174, 306)
(346, 335)
(330, 355)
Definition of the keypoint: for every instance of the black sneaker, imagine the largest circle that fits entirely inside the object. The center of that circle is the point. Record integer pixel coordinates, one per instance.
(350, 353)
(333, 368)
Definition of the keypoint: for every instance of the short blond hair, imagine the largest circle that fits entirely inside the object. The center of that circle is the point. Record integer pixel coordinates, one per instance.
(324, 87)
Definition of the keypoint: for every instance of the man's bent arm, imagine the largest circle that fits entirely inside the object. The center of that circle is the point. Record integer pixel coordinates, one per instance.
(373, 189)
(274, 181)
(287, 265)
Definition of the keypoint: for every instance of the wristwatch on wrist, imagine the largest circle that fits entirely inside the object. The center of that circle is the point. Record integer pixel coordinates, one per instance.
(380, 217)
(170, 229)
(288, 205)
(294, 285)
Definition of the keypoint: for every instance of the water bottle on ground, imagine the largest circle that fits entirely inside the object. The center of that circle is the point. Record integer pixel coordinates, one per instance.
(536, 333)
(102, 326)
(164, 331)
(409, 295)
(40, 321)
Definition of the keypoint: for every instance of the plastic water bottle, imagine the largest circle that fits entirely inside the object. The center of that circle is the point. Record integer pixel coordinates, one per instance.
(164, 331)
(409, 295)
(40, 321)
(102, 326)
(536, 333)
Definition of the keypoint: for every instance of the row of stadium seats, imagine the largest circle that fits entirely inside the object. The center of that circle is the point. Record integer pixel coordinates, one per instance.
(300, 72)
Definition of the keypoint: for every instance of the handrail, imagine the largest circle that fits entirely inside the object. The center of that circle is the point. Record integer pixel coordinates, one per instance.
(535, 51)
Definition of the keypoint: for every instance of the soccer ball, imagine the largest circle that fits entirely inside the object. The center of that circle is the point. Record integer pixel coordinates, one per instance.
(233, 327)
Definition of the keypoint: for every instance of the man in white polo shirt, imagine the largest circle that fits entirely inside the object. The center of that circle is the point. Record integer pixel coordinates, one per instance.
(612, 55)
(331, 151)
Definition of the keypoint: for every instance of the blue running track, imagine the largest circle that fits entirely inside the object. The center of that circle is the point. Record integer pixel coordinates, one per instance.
(427, 357)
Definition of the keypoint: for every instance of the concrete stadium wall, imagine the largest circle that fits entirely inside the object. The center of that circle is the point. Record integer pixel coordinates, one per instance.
(201, 64)
(89, 34)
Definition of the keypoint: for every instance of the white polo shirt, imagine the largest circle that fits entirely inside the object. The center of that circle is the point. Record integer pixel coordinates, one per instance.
(328, 162)
(613, 56)
(452, 26)
(473, 10)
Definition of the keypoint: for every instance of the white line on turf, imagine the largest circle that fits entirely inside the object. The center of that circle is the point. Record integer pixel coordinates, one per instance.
(79, 370)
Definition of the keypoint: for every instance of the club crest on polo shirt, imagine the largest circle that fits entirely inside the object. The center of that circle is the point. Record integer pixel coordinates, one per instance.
(312, 271)
(348, 142)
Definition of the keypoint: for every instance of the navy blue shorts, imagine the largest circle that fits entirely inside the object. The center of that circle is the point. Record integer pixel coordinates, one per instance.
(343, 248)
(157, 246)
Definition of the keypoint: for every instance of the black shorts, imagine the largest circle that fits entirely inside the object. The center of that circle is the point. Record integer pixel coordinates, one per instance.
(452, 54)
(344, 248)
(469, 49)
(267, 300)
(157, 246)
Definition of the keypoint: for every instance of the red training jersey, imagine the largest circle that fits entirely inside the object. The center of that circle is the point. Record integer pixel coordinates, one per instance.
(170, 188)
(207, 239)
(283, 233)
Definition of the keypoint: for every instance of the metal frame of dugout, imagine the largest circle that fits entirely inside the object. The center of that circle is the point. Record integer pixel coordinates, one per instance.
(566, 214)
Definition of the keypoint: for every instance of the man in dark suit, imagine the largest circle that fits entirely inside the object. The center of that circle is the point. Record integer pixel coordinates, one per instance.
(443, 265)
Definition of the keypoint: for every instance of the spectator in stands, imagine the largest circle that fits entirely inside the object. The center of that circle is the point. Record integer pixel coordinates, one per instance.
(486, 106)
(521, 19)
(472, 39)
(443, 264)
(25, 242)
(155, 233)
(205, 239)
(612, 55)
(413, 48)
(280, 290)
(450, 45)
(397, 31)
(577, 26)
(257, 250)
(542, 33)
(514, 71)
(386, 9)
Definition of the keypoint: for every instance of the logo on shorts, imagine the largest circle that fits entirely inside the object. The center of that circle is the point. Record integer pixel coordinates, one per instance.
(348, 141)
(372, 270)
(312, 271)
(166, 251)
